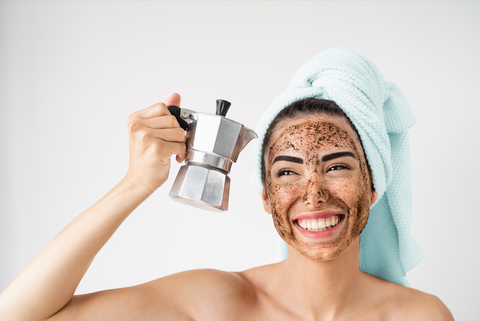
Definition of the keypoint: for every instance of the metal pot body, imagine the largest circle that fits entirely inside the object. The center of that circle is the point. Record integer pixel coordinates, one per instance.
(213, 144)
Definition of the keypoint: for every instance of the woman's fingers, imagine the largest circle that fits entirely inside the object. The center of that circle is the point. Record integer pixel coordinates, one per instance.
(139, 131)
(162, 122)
(176, 135)
(157, 110)
(171, 148)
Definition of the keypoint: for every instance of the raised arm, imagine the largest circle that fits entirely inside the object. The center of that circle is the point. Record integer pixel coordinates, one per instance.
(48, 282)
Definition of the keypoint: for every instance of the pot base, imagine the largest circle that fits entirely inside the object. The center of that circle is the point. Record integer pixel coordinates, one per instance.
(201, 187)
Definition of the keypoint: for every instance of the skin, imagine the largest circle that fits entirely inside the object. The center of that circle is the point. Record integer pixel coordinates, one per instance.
(319, 280)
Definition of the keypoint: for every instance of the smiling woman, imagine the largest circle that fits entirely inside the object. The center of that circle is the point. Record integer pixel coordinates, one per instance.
(327, 180)
(334, 173)
(334, 178)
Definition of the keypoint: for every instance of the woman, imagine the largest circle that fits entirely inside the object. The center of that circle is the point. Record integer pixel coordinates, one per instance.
(317, 183)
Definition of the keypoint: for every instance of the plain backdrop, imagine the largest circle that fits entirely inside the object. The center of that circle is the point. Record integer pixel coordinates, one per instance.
(72, 72)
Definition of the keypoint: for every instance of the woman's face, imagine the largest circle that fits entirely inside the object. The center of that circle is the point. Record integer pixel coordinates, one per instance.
(317, 185)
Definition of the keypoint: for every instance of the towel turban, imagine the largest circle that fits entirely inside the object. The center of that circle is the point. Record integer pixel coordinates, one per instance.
(382, 117)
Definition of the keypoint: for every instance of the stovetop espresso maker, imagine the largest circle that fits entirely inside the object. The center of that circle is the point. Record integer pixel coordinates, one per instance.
(213, 144)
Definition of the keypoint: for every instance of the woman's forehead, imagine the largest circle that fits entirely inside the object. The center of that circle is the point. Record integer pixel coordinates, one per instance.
(313, 132)
(312, 136)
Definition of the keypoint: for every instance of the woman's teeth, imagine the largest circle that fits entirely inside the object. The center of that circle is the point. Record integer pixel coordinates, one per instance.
(320, 224)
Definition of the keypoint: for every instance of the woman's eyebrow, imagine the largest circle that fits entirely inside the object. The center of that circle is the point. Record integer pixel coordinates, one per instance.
(324, 158)
(288, 159)
(337, 155)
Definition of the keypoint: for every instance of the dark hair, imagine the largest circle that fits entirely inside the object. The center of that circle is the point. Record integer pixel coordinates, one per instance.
(308, 106)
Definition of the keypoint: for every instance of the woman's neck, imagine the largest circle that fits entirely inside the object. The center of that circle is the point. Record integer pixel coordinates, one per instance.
(321, 287)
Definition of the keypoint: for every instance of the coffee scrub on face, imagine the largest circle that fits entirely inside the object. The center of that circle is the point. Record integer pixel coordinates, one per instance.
(319, 183)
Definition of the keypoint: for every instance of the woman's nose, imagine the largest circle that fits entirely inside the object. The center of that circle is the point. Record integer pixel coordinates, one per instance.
(315, 193)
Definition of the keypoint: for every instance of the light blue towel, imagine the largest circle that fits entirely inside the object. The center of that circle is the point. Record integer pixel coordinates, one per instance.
(381, 115)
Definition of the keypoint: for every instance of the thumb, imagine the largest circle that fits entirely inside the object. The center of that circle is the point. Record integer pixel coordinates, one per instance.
(173, 100)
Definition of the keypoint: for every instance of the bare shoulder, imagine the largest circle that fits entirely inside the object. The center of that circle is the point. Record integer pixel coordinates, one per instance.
(203, 285)
(189, 295)
(403, 303)
(201, 294)
(424, 306)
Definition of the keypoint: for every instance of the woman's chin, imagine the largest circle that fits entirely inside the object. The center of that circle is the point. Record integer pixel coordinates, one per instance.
(320, 253)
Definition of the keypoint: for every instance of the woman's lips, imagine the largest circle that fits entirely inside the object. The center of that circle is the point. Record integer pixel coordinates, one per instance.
(319, 227)
(316, 215)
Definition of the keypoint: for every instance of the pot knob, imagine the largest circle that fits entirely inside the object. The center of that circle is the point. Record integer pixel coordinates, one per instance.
(222, 107)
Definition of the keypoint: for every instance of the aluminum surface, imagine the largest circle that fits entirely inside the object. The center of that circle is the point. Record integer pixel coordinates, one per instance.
(213, 144)
(201, 187)
(208, 160)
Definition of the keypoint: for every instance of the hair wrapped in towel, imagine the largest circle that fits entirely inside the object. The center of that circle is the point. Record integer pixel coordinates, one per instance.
(382, 117)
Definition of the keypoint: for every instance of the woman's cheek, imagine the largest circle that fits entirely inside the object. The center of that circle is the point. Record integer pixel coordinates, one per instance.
(361, 213)
(350, 189)
(282, 195)
(359, 207)
(282, 198)
(343, 190)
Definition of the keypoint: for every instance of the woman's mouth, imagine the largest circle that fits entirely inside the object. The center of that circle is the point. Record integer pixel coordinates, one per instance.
(320, 224)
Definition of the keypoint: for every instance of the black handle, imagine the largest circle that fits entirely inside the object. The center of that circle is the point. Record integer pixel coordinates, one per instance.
(222, 107)
(175, 111)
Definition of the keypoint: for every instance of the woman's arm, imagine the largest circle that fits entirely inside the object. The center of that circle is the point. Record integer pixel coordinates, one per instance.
(49, 281)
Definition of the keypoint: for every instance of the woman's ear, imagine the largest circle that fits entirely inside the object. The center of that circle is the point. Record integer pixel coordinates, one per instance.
(373, 198)
(266, 203)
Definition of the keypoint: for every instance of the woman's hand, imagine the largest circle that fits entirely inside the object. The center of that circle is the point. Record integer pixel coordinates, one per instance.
(155, 136)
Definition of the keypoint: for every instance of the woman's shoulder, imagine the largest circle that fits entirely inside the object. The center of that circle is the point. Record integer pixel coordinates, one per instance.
(206, 283)
(418, 305)
(208, 292)
(405, 303)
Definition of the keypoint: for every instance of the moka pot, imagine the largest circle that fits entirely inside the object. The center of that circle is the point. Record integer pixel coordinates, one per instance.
(213, 144)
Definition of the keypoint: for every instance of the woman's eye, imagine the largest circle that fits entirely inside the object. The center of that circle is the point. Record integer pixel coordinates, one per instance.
(285, 172)
(337, 167)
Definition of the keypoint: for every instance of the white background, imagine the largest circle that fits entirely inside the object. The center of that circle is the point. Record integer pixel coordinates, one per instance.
(72, 72)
